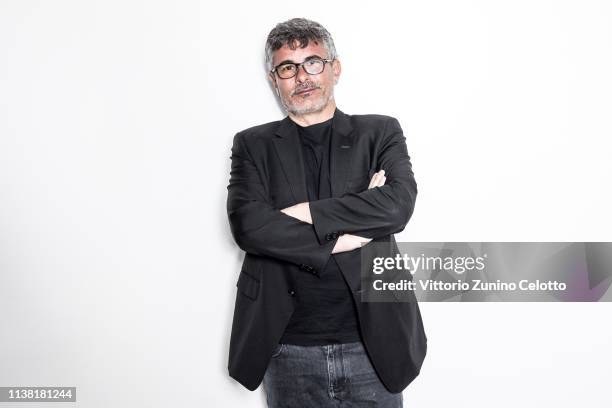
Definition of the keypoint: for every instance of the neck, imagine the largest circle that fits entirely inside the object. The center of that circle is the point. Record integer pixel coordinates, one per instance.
(313, 118)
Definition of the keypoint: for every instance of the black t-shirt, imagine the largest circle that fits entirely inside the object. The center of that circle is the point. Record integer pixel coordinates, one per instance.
(325, 312)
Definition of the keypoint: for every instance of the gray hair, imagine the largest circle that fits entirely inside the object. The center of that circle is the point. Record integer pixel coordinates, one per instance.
(301, 30)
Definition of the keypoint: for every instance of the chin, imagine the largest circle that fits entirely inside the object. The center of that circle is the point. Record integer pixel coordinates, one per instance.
(303, 110)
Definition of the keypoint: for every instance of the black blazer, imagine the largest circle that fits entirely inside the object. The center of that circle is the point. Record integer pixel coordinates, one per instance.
(267, 174)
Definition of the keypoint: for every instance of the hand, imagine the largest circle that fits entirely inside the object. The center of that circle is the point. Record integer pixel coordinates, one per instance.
(300, 211)
(378, 179)
(349, 242)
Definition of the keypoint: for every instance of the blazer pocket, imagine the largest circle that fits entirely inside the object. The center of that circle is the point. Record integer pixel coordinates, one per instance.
(248, 285)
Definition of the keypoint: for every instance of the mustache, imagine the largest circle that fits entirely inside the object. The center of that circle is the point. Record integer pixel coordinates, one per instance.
(306, 85)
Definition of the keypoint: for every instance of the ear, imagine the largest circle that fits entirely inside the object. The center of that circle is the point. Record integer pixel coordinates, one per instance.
(272, 79)
(337, 69)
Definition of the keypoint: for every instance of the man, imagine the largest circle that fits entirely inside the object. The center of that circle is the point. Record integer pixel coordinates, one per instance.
(305, 193)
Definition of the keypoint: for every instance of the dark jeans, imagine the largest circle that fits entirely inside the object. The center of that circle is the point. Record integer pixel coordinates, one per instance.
(335, 375)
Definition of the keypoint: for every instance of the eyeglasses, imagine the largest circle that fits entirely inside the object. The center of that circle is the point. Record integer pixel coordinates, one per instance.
(312, 66)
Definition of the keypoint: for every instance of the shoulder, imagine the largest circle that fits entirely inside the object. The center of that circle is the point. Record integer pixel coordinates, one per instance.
(375, 126)
(374, 121)
(253, 137)
(257, 137)
(265, 130)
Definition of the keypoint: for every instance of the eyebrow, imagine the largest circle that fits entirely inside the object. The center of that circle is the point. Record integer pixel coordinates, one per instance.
(288, 61)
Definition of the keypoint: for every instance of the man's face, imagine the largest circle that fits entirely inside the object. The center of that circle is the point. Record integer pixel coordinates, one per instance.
(305, 93)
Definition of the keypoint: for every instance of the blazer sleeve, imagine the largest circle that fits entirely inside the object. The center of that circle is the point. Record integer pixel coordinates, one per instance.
(260, 229)
(375, 212)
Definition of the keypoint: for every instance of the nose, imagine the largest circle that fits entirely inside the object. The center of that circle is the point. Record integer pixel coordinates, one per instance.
(302, 75)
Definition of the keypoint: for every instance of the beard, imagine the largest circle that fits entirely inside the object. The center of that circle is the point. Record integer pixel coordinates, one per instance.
(315, 106)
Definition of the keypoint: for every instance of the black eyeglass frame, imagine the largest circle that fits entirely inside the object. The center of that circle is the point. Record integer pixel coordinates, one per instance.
(301, 64)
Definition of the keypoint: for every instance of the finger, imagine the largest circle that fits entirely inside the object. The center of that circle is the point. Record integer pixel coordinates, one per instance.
(374, 181)
(381, 178)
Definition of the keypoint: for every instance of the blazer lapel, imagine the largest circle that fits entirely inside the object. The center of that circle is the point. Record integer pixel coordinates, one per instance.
(289, 151)
(341, 153)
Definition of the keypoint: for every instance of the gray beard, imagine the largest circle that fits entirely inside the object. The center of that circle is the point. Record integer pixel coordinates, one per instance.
(316, 108)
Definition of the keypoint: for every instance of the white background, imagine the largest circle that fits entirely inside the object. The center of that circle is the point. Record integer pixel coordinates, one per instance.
(117, 268)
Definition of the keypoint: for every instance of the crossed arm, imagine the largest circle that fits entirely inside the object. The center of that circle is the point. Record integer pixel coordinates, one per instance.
(300, 234)
(346, 242)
